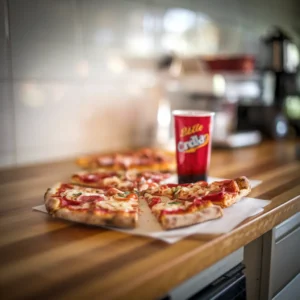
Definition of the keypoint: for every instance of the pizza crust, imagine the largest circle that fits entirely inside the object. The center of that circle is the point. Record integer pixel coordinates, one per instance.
(122, 220)
(52, 203)
(244, 186)
(173, 221)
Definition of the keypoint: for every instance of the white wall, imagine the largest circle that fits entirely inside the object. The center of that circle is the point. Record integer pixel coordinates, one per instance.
(64, 88)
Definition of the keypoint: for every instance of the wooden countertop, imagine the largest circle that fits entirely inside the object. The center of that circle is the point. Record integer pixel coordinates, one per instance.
(45, 257)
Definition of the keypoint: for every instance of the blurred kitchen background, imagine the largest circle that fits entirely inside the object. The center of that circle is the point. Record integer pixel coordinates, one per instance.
(83, 76)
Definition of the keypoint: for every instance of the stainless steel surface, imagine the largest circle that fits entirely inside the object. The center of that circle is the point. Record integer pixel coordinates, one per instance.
(287, 226)
(241, 139)
(203, 279)
(258, 261)
(272, 261)
(286, 262)
(291, 291)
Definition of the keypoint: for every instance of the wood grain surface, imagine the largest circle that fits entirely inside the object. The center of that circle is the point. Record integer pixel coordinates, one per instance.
(42, 257)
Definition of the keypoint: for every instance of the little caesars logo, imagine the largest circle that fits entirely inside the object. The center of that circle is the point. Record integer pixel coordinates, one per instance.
(196, 140)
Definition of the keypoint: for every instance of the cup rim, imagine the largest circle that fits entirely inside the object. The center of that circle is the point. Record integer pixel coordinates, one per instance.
(192, 113)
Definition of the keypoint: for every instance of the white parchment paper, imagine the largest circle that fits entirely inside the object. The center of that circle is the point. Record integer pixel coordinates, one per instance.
(233, 216)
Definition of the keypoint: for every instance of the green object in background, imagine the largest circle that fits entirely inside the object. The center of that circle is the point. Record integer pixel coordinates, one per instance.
(292, 107)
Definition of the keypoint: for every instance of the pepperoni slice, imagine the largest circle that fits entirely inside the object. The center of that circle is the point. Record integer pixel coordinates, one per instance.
(215, 196)
(132, 196)
(152, 177)
(198, 201)
(89, 178)
(95, 177)
(81, 199)
(154, 201)
(231, 187)
(66, 186)
(91, 198)
(67, 202)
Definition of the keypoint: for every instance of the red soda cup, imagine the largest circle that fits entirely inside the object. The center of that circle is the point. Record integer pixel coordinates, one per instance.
(193, 132)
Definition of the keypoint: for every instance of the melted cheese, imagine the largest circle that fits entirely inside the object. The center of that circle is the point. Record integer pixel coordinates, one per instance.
(167, 191)
(114, 205)
(144, 187)
(183, 193)
(111, 180)
(75, 194)
(167, 204)
(188, 192)
(163, 199)
(153, 187)
(170, 206)
(125, 184)
(131, 175)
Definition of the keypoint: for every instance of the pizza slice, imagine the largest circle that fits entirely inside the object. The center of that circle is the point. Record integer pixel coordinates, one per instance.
(141, 159)
(124, 180)
(226, 193)
(223, 193)
(175, 213)
(111, 207)
(104, 179)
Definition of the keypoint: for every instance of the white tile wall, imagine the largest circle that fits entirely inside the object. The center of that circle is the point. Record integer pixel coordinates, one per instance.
(3, 45)
(47, 20)
(46, 60)
(44, 38)
(7, 131)
(73, 91)
(59, 120)
(3, 59)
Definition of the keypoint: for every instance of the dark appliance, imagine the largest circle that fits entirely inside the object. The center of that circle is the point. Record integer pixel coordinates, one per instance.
(230, 286)
(277, 112)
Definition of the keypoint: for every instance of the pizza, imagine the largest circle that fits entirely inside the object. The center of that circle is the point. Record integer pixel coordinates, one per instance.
(173, 205)
(180, 205)
(143, 160)
(175, 213)
(124, 180)
(111, 207)
(222, 193)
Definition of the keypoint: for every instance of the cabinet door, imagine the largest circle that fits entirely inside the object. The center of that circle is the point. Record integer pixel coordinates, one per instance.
(286, 262)
(291, 291)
